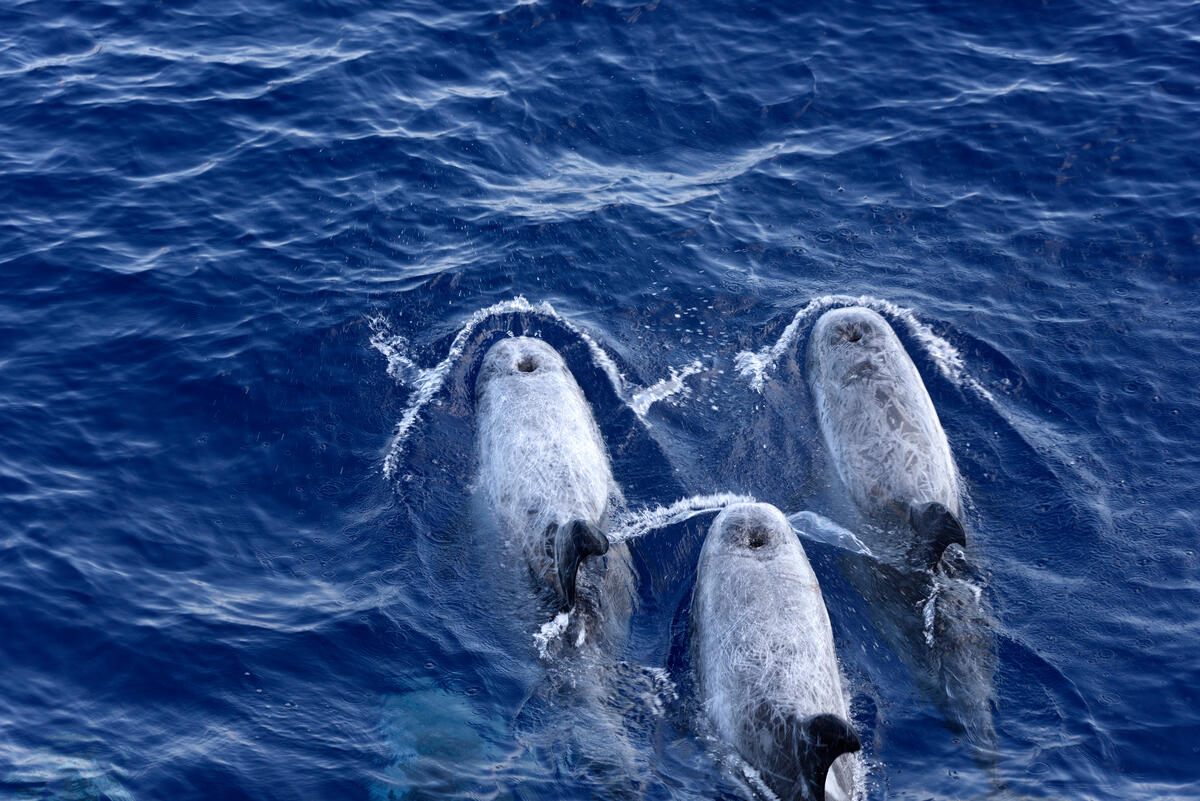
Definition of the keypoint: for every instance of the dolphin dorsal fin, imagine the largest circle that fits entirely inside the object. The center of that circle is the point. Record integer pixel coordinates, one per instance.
(801, 752)
(574, 542)
(937, 529)
(824, 739)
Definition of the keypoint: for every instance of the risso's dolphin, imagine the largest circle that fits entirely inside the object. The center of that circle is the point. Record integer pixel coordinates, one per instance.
(767, 673)
(888, 448)
(881, 429)
(545, 473)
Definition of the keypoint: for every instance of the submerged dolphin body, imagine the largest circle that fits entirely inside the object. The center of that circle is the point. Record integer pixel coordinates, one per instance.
(545, 473)
(763, 649)
(888, 448)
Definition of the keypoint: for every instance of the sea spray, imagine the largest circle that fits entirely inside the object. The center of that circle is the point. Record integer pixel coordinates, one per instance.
(644, 399)
(754, 365)
(808, 525)
(637, 523)
(550, 631)
(817, 528)
(427, 381)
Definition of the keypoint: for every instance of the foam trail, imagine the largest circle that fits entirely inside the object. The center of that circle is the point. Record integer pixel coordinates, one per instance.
(754, 365)
(550, 631)
(635, 524)
(929, 612)
(813, 526)
(808, 525)
(644, 399)
(427, 381)
(394, 348)
(754, 778)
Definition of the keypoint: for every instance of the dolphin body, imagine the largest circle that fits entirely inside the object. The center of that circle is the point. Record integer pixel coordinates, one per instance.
(891, 453)
(545, 473)
(766, 670)
(879, 424)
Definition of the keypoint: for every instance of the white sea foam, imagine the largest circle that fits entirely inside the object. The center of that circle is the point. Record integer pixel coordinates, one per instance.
(755, 779)
(427, 381)
(550, 631)
(644, 399)
(631, 525)
(394, 348)
(755, 365)
(807, 525)
(662, 690)
(930, 612)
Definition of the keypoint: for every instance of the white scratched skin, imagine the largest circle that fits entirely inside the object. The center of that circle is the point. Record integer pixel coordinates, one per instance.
(876, 416)
(542, 459)
(761, 635)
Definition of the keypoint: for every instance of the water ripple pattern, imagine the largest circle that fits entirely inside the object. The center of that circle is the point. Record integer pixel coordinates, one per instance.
(252, 254)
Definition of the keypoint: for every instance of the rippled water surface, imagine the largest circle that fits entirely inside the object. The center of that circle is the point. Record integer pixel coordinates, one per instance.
(252, 254)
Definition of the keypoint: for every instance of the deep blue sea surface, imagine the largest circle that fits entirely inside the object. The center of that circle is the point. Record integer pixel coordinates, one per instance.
(252, 253)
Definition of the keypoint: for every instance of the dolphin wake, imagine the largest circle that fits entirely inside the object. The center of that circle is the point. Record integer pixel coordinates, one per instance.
(427, 381)
(755, 365)
(631, 525)
(807, 525)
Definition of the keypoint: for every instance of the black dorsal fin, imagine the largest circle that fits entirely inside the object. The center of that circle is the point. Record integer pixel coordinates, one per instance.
(937, 529)
(825, 738)
(573, 543)
(801, 751)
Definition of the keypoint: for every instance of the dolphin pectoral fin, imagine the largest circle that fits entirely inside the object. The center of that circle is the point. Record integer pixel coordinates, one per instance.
(937, 529)
(573, 543)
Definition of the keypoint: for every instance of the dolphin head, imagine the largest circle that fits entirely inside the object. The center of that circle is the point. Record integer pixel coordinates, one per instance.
(843, 341)
(518, 358)
(756, 530)
(850, 326)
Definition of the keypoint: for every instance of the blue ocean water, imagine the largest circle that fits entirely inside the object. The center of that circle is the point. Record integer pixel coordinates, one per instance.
(252, 254)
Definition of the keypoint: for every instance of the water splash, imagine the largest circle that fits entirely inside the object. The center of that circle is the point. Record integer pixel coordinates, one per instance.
(660, 690)
(550, 631)
(929, 612)
(644, 399)
(637, 523)
(393, 347)
(808, 525)
(755, 365)
(817, 528)
(755, 780)
(427, 381)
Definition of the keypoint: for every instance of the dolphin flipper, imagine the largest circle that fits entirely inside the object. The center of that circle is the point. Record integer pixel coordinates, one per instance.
(574, 542)
(805, 750)
(937, 528)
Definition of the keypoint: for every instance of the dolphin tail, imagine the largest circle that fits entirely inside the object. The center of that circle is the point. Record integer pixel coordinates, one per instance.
(937, 529)
(574, 542)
